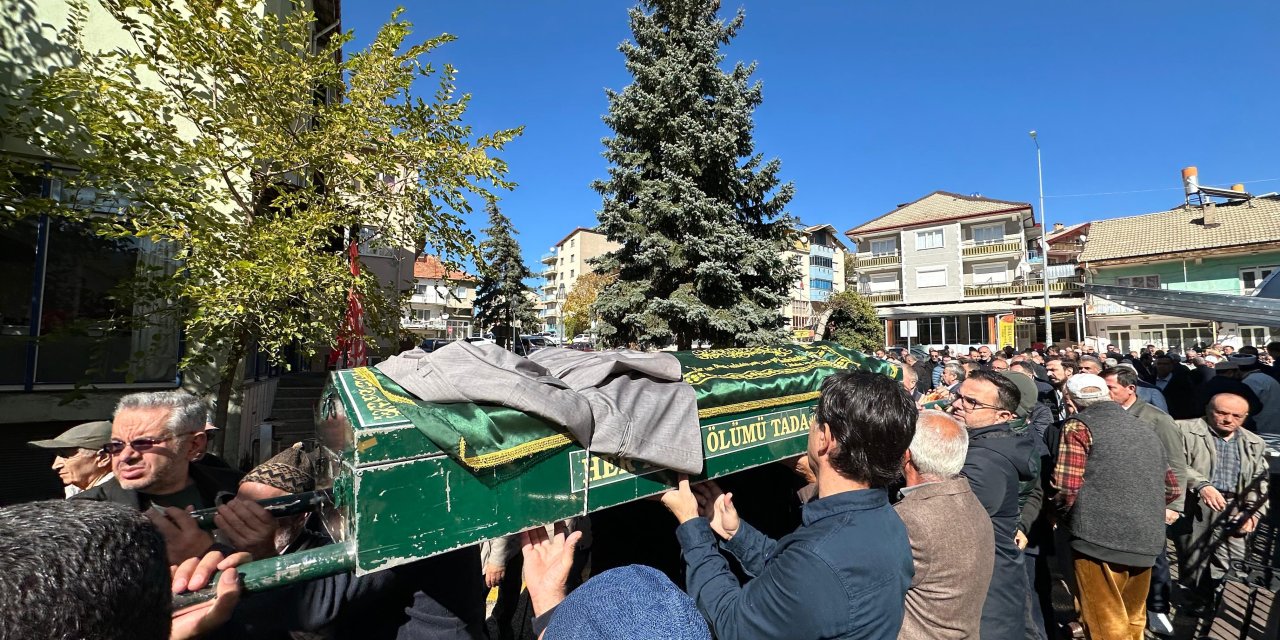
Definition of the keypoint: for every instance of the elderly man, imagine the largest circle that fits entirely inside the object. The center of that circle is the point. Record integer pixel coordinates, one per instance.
(952, 376)
(1147, 392)
(952, 542)
(845, 572)
(1227, 478)
(154, 438)
(1113, 488)
(909, 383)
(78, 456)
(997, 461)
(1267, 419)
(1090, 364)
(984, 357)
(1122, 384)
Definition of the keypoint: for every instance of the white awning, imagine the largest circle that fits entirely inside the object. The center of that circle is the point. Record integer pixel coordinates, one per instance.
(976, 307)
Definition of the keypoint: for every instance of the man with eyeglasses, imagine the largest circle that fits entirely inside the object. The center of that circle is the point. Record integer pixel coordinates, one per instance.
(78, 456)
(997, 461)
(155, 436)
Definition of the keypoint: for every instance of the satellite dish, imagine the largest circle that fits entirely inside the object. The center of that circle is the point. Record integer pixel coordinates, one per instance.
(444, 316)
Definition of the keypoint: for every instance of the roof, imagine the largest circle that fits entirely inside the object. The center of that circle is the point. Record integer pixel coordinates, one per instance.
(1068, 232)
(1240, 223)
(571, 234)
(430, 268)
(939, 206)
(1196, 305)
(835, 235)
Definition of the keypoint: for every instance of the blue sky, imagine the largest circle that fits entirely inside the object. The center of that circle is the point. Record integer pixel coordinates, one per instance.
(871, 104)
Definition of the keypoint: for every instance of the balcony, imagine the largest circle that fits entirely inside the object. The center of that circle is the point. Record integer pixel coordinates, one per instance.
(883, 297)
(548, 273)
(548, 258)
(1028, 288)
(869, 261)
(1010, 245)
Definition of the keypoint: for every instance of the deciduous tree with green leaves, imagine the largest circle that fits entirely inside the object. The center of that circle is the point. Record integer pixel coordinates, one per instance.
(502, 299)
(851, 320)
(698, 213)
(256, 151)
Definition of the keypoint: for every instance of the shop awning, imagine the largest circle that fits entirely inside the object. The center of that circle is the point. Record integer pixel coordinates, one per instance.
(1195, 305)
(977, 307)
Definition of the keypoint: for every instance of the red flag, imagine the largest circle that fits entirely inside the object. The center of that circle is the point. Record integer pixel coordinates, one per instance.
(351, 350)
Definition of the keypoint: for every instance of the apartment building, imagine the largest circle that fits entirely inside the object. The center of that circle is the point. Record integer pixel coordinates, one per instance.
(563, 265)
(820, 255)
(954, 264)
(442, 304)
(1224, 248)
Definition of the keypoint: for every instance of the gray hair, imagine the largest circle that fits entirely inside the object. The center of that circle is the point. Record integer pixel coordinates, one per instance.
(909, 374)
(956, 370)
(939, 446)
(187, 413)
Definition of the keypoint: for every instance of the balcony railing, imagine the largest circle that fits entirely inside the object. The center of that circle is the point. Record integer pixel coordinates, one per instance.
(548, 258)
(866, 260)
(883, 297)
(1018, 288)
(971, 249)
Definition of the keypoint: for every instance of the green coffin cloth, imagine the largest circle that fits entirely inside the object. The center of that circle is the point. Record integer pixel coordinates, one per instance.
(726, 381)
(730, 381)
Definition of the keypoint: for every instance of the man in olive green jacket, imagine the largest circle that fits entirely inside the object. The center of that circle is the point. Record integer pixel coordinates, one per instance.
(1227, 492)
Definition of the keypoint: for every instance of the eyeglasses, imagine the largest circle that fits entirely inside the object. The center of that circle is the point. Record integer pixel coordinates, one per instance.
(141, 445)
(975, 404)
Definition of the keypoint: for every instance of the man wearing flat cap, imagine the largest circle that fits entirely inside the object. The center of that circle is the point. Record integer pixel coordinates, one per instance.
(78, 456)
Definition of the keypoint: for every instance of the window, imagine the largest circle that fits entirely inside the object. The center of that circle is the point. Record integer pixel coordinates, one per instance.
(990, 273)
(1251, 277)
(880, 282)
(571, 273)
(421, 288)
(931, 277)
(988, 233)
(820, 261)
(884, 247)
(929, 239)
(1139, 282)
(977, 326)
(816, 283)
(1255, 336)
(371, 244)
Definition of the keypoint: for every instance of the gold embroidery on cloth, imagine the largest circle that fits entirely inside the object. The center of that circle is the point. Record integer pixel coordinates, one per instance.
(505, 456)
(751, 405)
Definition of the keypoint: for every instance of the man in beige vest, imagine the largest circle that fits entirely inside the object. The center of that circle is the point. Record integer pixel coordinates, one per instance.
(952, 542)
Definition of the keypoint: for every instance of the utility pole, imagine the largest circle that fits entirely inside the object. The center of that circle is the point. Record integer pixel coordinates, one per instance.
(1044, 249)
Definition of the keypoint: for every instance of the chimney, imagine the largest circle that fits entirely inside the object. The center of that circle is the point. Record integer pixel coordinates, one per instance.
(1239, 186)
(1210, 215)
(1058, 226)
(1191, 183)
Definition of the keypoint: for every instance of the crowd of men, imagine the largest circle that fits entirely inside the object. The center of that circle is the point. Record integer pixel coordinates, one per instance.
(941, 506)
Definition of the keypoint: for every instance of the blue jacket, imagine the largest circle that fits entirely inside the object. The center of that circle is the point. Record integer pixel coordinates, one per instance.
(843, 574)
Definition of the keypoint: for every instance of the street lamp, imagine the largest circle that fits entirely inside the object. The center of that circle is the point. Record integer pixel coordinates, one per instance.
(560, 313)
(1044, 248)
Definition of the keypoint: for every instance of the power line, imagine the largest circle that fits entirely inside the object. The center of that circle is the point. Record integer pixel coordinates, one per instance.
(1115, 193)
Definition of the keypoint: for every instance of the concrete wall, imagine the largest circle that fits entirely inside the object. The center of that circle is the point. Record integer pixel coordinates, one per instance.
(948, 255)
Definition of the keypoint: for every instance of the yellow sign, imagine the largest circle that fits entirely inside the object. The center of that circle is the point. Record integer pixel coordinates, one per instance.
(803, 334)
(1005, 333)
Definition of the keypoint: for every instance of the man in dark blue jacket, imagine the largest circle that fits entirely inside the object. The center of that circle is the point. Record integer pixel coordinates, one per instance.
(845, 572)
(998, 460)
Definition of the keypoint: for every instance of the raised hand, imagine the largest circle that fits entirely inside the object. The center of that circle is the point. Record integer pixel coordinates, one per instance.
(547, 561)
(717, 507)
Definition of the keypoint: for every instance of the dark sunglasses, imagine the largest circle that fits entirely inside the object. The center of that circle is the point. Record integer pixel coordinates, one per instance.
(116, 447)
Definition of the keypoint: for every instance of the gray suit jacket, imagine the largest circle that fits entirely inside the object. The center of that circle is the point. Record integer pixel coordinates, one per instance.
(953, 550)
(1170, 434)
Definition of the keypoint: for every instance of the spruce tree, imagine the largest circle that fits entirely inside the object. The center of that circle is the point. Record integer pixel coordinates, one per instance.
(501, 297)
(698, 213)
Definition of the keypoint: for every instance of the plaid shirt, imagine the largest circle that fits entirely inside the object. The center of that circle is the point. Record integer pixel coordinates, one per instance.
(1226, 470)
(1073, 453)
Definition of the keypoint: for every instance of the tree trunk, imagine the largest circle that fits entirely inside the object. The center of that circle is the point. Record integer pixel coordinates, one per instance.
(228, 381)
